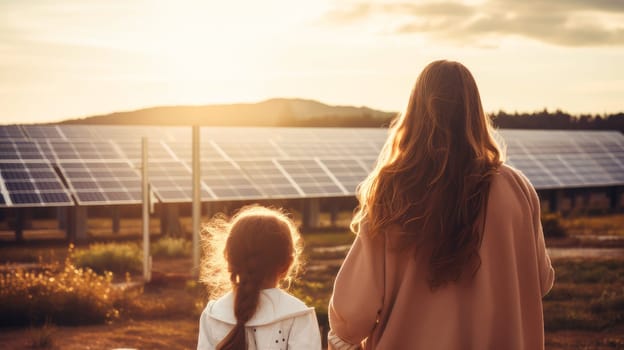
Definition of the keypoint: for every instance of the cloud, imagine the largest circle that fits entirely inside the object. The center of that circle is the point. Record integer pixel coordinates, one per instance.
(558, 22)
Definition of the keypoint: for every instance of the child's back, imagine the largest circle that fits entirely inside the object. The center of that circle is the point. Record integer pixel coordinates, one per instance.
(259, 251)
(280, 322)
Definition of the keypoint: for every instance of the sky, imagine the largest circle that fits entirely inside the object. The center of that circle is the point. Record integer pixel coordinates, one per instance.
(72, 58)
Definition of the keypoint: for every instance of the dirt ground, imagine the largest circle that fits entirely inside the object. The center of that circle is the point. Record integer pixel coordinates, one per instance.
(153, 334)
(182, 334)
(180, 331)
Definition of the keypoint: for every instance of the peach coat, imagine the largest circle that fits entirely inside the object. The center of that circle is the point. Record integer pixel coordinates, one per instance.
(381, 295)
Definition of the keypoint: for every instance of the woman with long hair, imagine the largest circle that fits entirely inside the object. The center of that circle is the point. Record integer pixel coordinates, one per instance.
(449, 252)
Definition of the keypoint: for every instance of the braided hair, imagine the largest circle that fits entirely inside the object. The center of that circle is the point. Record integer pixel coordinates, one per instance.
(261, 248)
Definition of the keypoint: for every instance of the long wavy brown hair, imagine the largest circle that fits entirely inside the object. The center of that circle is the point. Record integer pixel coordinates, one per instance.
(256, 248)
(433, 174)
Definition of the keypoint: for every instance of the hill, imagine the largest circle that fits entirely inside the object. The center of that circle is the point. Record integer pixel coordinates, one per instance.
(273, 112)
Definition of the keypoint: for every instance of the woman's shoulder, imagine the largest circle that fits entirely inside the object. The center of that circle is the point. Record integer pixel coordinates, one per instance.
(510, 179)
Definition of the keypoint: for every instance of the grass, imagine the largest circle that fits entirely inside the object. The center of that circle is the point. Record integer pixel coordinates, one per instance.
(604, 225)
(65, 295)
(588, 272)
(587, 295)
(168, 247)
(25, 254)
(119, 258)
(551, 224)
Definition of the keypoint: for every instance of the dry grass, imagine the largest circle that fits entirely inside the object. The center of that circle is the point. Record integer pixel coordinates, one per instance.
(583, 311)
(604, 225)
(63, 295)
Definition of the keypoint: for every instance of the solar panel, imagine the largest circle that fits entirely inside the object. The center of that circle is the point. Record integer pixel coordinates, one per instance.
(349, 172)
(11, 132)
(131, 133)
(63, 150)
(312, 179)
(269, 179)
(228, 182)
(79, 132)
(101, 163)
(172, 183)
(183, 150)
(588, 170)
(31, 184)
(336, 148)
(242, 149)
(95, 183)
(131, 150)
(20, 150)
(46, 132)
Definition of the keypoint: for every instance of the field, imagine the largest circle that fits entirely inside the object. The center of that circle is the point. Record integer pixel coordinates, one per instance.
(585, 309)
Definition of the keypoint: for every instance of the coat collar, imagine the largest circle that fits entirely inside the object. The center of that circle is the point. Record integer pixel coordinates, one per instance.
(275, 305)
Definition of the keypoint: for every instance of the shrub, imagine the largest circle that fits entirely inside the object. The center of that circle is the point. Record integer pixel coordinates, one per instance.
(551, 223)
(171, 247)
(65, 295)
(114, 257)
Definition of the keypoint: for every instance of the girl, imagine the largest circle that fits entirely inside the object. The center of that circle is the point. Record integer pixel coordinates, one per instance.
(260, 248)
(449, 252)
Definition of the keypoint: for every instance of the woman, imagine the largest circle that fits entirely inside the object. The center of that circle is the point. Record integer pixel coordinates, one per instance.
(449, 252)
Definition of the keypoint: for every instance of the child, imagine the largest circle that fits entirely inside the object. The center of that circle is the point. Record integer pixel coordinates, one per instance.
(260, 250)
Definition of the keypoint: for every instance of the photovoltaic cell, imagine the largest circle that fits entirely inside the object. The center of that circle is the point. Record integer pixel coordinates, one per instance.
(131, 150)
(96, 183)
(311, 178)
(172, 183)
(269, 179)
(20, 150)
(80, 132)
(345, 149)
(83, 150)
(32, 184)
(242, 149)
(349, 172)
(46, 132)
(11, 132)
(228, 182)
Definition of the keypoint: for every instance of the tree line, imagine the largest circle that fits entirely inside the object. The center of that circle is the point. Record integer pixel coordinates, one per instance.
(537, 120)
(558, 120)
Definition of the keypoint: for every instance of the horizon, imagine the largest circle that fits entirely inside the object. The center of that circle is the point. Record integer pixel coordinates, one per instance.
(69, 59)
(77, 118)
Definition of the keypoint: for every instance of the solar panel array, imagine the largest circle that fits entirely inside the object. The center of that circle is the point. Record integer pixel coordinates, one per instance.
(100, 165)
(567, 159)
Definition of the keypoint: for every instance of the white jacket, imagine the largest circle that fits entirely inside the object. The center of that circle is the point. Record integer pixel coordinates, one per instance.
(281, 322)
